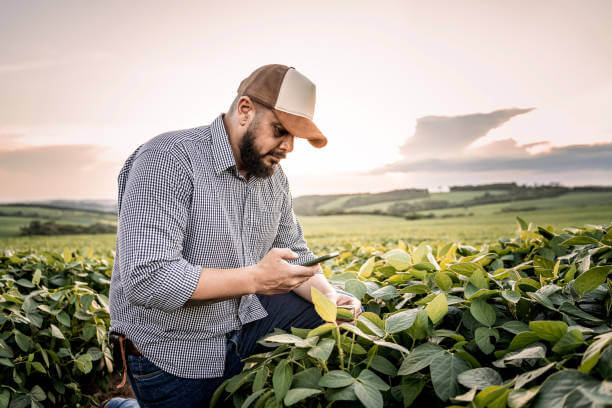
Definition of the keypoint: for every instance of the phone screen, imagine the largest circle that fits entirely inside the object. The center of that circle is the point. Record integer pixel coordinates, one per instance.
(321, 259)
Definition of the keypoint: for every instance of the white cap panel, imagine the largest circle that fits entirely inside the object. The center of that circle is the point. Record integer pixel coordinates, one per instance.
(297, 95)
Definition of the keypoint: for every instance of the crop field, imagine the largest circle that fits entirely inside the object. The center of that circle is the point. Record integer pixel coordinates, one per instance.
(10, 225)
(522, 321)
(488, 224)
(453, 197)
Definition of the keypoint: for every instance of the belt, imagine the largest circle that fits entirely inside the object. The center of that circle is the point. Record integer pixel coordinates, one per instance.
(125, 346)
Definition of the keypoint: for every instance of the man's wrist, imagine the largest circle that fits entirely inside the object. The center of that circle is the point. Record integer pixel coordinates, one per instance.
(250, 278)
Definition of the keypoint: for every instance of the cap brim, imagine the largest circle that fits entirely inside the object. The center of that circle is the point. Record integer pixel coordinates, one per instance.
(300, 126)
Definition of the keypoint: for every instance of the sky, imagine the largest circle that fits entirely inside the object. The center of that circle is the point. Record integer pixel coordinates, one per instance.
(409, 94)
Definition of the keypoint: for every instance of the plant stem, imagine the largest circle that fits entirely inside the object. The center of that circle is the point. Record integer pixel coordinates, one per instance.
(340, 352)
(348, 365)
(372, 358)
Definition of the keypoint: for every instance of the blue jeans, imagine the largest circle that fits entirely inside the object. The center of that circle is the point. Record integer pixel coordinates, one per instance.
(154, 387)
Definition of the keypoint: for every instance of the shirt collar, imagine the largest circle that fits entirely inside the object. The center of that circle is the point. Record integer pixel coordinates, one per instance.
(221, 148)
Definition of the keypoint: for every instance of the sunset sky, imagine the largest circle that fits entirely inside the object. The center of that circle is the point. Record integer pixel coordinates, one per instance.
(409, 94)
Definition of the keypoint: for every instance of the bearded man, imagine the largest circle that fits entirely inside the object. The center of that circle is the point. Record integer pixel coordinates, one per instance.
(209, 248)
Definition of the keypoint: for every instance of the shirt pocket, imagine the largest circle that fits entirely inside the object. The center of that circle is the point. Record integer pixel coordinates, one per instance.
(263, 228)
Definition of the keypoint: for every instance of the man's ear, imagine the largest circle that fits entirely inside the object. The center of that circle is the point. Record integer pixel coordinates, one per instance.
(245, 111)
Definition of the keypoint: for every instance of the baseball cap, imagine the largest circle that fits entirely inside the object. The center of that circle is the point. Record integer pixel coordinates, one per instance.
(290, 95)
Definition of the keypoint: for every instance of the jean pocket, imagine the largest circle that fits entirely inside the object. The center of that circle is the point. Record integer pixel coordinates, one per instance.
(143, 369)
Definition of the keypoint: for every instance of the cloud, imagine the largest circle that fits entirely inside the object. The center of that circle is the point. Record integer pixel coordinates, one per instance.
(446, 135)
(450, 145)
(558, 159)
(66, 171)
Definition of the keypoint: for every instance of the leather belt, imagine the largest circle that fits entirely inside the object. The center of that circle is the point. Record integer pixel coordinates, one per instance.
(129, 347)
(125, 346)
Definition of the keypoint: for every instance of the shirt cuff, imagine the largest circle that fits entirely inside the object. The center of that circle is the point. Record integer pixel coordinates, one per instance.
(180, 281)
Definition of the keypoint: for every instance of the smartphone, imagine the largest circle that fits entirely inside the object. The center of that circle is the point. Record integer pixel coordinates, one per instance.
(321, 259)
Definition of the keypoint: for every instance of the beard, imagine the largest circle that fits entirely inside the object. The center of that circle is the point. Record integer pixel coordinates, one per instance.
(252, 160)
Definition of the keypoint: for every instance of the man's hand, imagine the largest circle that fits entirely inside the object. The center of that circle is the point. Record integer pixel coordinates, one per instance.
(340, 299)
(273, 274)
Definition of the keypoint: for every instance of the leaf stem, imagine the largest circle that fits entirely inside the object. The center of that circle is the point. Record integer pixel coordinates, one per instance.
(340, 352)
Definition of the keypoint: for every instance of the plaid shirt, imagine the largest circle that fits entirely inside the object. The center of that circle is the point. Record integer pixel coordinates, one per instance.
(182, 207)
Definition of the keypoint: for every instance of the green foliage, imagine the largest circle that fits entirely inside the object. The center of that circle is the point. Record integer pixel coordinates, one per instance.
(518, 322)
(54, 321)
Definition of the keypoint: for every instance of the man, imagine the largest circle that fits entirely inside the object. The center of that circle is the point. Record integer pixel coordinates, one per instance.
(208, 245)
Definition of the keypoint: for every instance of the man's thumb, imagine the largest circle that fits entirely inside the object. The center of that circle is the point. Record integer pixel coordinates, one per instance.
(287, 253)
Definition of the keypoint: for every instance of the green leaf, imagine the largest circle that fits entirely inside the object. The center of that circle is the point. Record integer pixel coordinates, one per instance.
(511, 296)
(518, 398)
(24, 342)
(284, 338)
(444, 369)
(398, 259)
(356, 288)
(591, 279)
(5, 396)
(336, 379)
(437, 308)
(373, 323)
(523, 339)
(321, 330)
(479, 378)
(493, 396)
(55, 332)
(419, 358)
(531, 375)
(281, 379)
(591, 355)
(322, 350)
(369, 396)
(39, 367)
(323, 305)
(247, 402)
(400, 321)
(299, 394)
(308, 378)
(64, 319)
(260, 378)
(385, 293)
(465, 268)
(570, 341)
(383, 365)
(536, 351)
(576, 312)
(409, 389)
(522, 224)
(443, 281)
(584, 240)
(83, 363)
(550, 330)
(368, 377)
(569, 388)
(515, 327)
(341, 394)
(38, 393)
(37, 276)
(482, 336)
(479, 279)
(483, 312)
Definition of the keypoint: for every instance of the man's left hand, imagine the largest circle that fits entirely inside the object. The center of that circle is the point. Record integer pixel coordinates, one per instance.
(340, 299)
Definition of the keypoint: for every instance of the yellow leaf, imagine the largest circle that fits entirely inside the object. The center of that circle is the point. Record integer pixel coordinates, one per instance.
(67, 255)
(367, 268)
(401, 245)
(323, 305)
(437, 308)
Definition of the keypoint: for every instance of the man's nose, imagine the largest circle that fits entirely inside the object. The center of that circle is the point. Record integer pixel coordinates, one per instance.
(287, 143)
